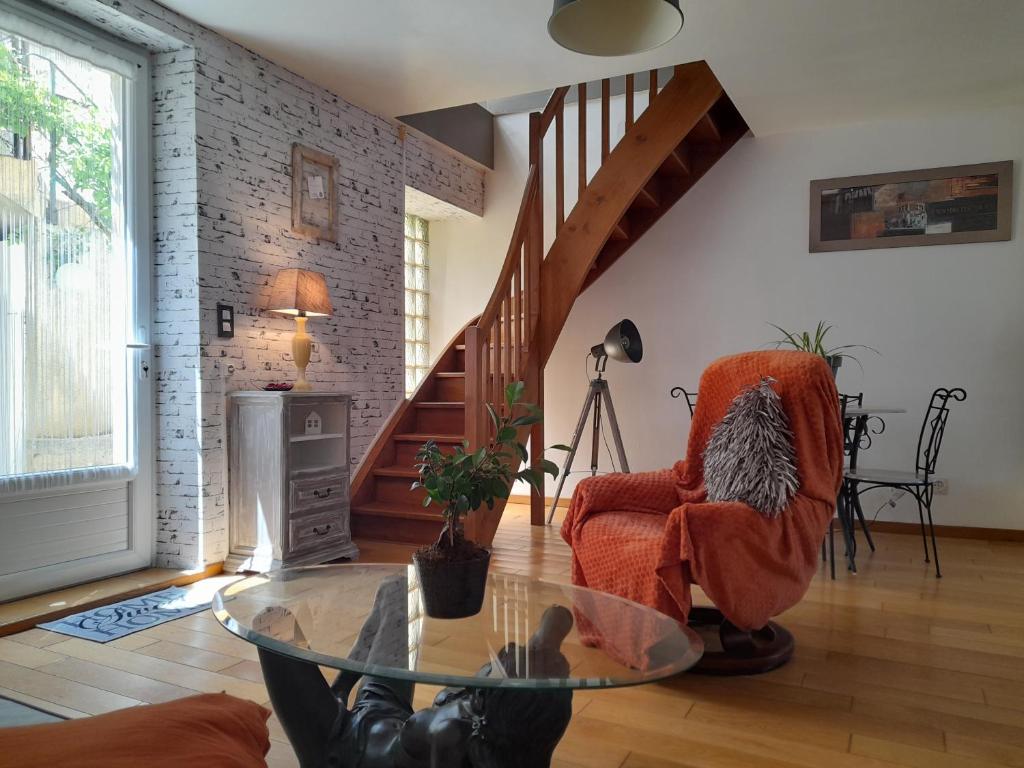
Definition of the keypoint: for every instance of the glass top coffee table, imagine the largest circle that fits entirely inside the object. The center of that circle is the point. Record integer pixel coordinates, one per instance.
(510, 669)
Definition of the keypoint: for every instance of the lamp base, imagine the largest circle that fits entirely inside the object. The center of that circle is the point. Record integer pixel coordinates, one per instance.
(302, 347)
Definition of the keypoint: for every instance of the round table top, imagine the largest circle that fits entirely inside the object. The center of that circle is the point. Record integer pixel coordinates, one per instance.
(868, 410)
(369, 619)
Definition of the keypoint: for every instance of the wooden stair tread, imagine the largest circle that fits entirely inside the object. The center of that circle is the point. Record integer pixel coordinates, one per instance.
(621, 230)
(678, 161)
(416, 437)
(450, 374)
(401, 511)
(648, 196)
(431, 404)
(396, 471)
(706, 131)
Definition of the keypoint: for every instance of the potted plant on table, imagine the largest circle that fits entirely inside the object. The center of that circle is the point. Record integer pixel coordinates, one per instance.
(453, 570)
(805, 342)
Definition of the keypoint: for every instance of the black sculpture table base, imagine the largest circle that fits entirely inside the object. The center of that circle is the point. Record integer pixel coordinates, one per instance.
(487, 727)
(511, 712)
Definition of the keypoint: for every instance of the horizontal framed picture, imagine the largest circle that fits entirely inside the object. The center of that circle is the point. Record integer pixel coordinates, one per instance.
(313, 201)
(933, 206)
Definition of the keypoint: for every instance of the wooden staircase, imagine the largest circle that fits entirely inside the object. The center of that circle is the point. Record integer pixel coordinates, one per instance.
(684, 130)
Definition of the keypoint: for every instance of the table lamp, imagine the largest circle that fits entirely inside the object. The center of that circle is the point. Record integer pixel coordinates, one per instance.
(302, 294)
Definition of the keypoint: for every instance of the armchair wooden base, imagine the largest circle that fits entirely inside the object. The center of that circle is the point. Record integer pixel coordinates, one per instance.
(743, 652)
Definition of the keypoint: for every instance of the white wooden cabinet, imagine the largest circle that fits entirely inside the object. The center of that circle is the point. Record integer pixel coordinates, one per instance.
(289, 479)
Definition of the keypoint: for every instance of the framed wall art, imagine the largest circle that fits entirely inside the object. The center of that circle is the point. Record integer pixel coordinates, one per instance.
(313, 195)
(933, 206)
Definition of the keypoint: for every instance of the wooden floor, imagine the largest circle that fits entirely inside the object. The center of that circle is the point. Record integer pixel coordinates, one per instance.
(893, 667)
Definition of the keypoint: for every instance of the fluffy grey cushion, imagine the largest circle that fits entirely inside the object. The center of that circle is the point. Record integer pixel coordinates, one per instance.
(750, 456)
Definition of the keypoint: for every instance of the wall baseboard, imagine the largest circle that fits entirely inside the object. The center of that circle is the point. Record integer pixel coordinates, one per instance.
(951, 531)
(563, 503)
(882, 526)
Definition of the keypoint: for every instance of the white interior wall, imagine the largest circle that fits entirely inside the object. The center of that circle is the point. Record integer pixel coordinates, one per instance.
(732, 256)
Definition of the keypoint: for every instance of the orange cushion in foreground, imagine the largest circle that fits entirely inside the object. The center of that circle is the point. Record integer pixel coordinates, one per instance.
(213, 730)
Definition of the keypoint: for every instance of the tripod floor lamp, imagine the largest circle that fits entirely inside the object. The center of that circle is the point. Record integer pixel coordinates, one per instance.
(622, 343)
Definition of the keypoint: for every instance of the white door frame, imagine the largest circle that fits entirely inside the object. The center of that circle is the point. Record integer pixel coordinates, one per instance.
(141, 439)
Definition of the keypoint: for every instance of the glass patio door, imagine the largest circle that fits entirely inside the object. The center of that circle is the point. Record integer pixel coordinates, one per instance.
(76, 498)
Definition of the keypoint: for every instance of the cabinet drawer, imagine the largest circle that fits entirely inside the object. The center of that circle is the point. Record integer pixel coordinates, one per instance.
(309, 493)
(317, 530)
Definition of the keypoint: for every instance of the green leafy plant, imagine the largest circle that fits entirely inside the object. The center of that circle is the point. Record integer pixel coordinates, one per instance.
(465, 480)
(815, 344)
(82, 151)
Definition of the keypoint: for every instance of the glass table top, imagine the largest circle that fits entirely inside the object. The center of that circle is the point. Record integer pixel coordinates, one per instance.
(369, 619)
(868, 410)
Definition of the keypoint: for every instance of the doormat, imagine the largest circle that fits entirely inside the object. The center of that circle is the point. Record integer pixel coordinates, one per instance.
(110, 622)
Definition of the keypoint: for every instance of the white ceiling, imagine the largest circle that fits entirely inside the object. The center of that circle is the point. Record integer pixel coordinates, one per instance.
(788, 64)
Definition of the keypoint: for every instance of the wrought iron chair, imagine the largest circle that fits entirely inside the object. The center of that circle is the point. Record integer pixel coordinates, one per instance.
(921, 482)
(691, 397)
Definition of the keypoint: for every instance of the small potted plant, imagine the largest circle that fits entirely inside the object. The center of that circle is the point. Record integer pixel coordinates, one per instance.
(453, 570)
(805, 342)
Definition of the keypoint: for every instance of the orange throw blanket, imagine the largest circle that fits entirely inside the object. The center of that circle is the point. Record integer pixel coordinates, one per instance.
(212, 730)
(648, 536)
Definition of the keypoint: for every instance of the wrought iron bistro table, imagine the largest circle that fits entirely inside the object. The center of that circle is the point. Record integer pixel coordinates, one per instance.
(510, 669)
(856, 418)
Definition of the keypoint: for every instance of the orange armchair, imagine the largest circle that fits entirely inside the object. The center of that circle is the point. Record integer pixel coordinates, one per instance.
(649, 536)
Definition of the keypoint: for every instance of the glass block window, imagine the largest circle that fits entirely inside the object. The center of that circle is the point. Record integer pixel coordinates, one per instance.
(417, 303)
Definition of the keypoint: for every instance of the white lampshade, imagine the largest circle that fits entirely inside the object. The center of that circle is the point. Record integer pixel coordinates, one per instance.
(614, 27)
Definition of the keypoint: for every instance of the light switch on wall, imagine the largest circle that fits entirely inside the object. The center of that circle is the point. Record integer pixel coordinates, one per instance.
(225, 321)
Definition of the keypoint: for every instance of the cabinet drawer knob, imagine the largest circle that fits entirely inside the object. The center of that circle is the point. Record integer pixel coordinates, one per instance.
(322, 530)
(321, 495)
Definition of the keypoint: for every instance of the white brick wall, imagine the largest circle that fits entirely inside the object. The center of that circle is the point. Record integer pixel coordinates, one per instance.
(224, 120)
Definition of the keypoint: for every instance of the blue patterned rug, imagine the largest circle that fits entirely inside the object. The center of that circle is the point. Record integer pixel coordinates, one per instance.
(133, 615)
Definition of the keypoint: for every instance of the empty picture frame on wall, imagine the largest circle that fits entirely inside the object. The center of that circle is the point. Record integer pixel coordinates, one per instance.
(313, 200)
(933, 206)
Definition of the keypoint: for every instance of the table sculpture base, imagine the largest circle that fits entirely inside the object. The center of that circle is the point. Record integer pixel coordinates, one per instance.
(367, 620)
(486, 727)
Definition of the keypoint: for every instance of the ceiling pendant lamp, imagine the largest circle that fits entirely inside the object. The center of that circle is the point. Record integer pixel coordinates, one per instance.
(614, 27)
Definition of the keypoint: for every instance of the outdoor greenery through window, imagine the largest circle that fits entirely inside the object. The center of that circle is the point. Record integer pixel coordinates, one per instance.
(65, 269)
(417, 303)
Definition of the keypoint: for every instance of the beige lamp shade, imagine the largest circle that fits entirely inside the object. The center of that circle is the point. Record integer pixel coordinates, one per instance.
(614, 27)
(300, 292)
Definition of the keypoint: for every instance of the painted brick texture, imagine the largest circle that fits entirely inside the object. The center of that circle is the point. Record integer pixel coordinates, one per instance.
(224, 120)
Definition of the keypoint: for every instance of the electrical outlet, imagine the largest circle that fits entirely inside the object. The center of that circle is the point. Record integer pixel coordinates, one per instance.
(941, 486)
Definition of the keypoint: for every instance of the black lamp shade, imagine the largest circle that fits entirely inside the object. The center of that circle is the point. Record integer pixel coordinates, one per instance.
(614, 27)
(622, 343)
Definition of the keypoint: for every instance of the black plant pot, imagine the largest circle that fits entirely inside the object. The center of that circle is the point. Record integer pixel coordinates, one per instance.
(452, 589)
(834, 362)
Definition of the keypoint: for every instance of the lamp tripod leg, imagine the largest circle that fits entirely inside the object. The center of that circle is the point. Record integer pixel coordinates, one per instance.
(576, 435)
(613, 424)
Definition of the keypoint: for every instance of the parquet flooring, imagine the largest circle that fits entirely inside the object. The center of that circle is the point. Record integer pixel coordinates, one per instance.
(893, 667)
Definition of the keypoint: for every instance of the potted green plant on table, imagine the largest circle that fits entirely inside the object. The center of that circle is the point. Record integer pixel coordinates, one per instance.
(815, 344)
(453, 570)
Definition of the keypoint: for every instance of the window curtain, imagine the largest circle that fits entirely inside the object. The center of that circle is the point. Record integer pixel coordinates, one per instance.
(64, 263)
